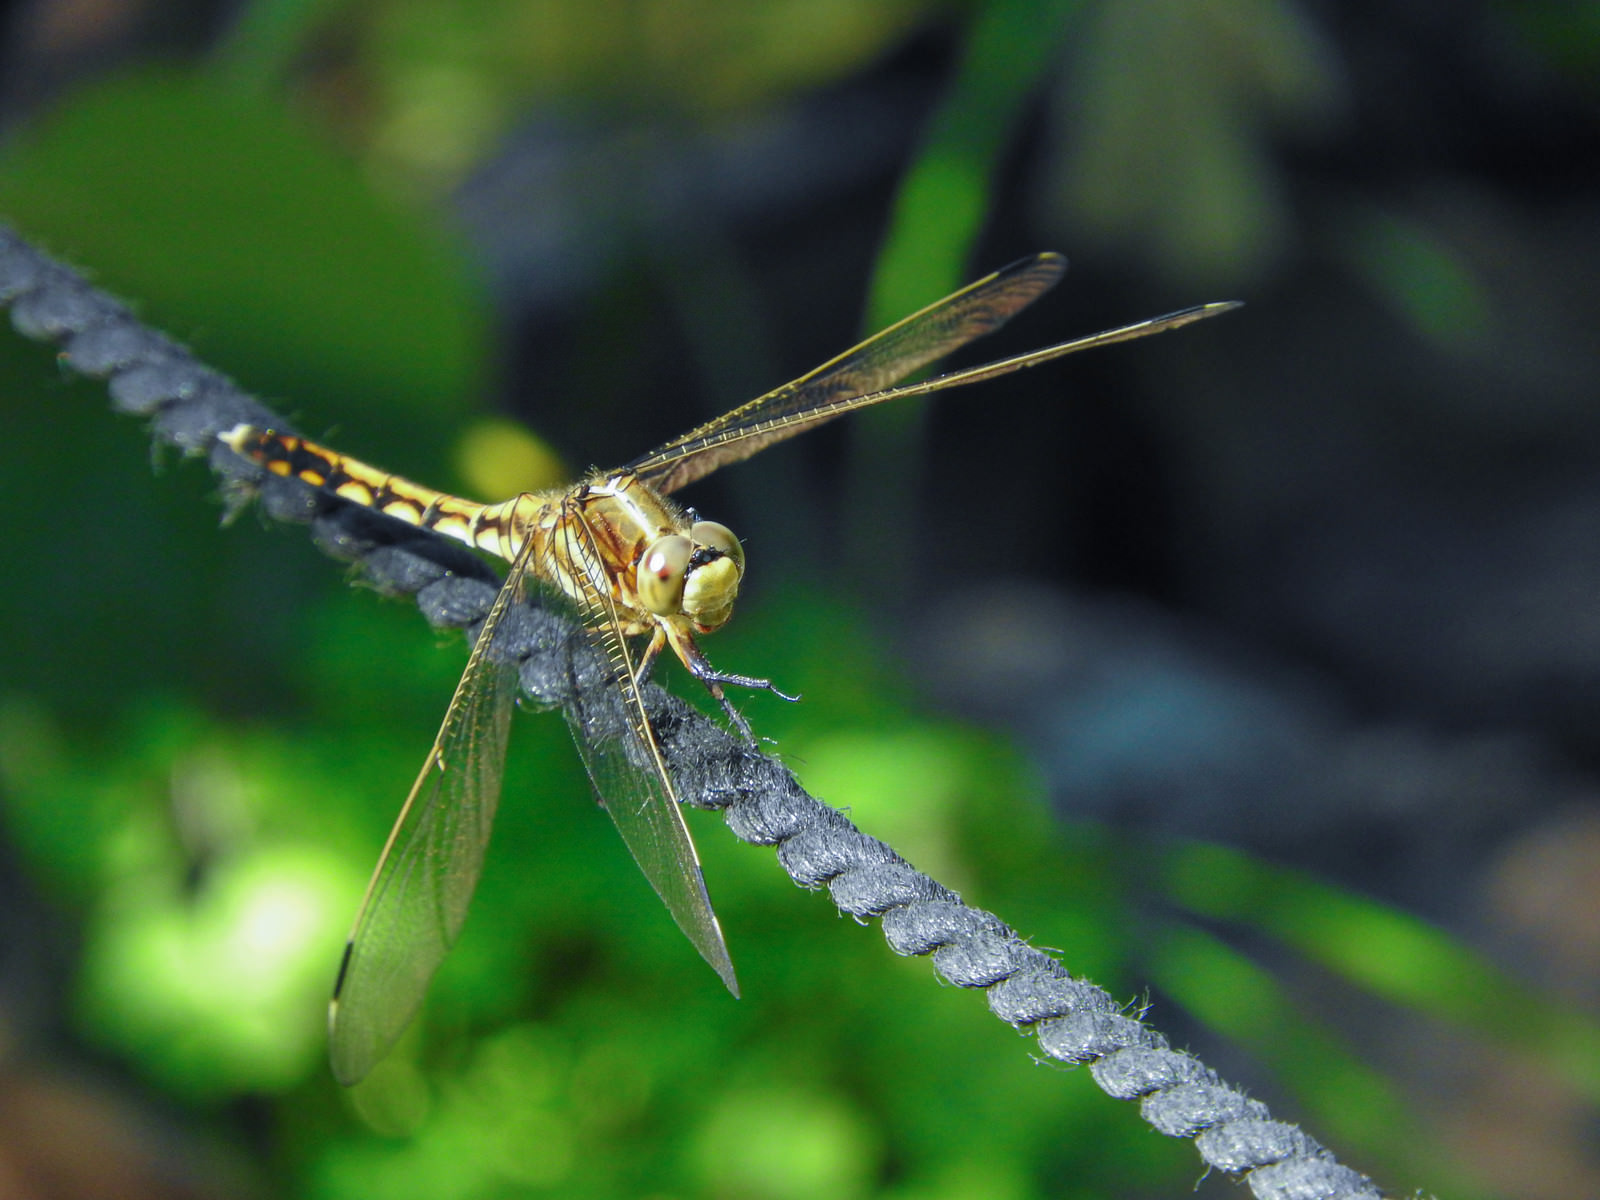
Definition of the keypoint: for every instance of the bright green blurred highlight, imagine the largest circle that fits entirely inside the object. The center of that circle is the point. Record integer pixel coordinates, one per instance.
(568, 1105)
(440, 125)
(1393, 955)
(903, 784)
(211, 930)
(990, 1177)
(221, 991)
(1422, 278)
(498, 1124)
(786, 1145)
(499, 459)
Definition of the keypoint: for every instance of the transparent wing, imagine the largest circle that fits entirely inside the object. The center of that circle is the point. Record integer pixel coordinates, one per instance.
(418, 896)
(863, 376)
(619, 750)
(881, 360)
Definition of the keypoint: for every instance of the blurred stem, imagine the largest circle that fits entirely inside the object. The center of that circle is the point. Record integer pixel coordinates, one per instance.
(1394, 956)
(938, 215)
(1247, 1004)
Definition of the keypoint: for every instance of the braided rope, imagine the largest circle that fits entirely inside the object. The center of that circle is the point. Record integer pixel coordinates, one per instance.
(189, 404)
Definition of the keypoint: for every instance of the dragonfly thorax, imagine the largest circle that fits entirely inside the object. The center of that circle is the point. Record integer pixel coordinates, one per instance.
(669, 571)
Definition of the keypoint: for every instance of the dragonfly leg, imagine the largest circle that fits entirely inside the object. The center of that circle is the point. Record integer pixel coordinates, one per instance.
(647, 660)
(715, 679)
(735, 717)
(700, 667)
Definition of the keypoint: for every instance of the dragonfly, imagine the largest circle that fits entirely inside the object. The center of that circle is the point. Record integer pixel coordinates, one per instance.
(635, 565)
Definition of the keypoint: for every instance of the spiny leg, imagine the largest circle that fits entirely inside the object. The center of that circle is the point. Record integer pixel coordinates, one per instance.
(700, 667)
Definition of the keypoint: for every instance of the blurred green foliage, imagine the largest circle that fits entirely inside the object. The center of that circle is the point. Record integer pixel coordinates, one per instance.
(250, 199)
(204, 733)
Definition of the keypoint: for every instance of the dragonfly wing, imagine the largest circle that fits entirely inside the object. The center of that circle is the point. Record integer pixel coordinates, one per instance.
(418, 896)
(619, 749)
(867, 369)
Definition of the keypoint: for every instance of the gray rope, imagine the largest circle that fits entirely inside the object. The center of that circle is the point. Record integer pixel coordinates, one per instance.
(188, 404)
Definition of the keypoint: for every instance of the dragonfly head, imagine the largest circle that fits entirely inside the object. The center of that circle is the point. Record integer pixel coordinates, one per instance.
(696, 576)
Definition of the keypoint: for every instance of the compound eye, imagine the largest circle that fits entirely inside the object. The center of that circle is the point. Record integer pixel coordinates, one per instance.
(661, 571)
(719, 537)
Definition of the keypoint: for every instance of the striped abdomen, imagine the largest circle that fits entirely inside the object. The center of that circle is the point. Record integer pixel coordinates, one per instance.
(497, 528)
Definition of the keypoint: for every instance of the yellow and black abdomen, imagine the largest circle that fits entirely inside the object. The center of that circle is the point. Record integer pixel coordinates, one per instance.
(486, 527)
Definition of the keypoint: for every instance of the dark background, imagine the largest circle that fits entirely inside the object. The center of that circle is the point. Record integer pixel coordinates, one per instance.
(1255, 667)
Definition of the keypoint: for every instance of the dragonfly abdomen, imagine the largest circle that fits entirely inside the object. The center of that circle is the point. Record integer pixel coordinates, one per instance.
(491, 527)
